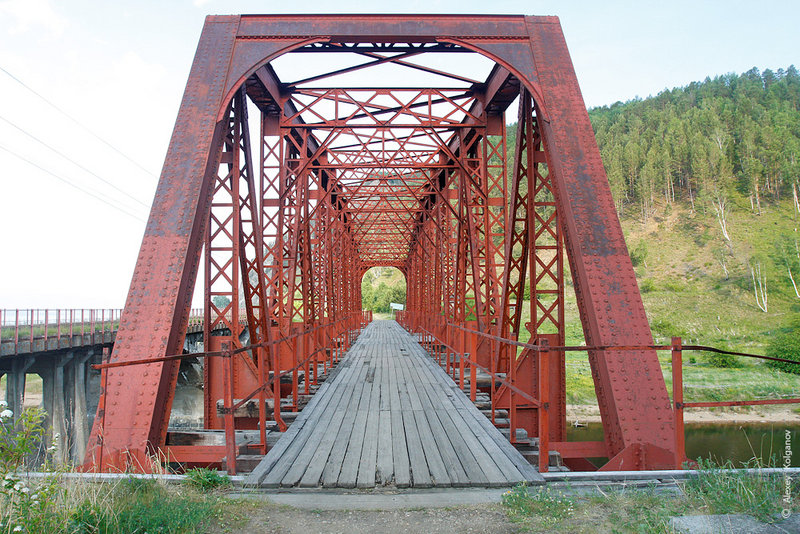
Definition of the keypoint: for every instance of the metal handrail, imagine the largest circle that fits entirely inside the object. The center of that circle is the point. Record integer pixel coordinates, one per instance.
(676, 348)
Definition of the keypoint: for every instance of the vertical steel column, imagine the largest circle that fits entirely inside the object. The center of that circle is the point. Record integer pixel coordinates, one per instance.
(222, 269)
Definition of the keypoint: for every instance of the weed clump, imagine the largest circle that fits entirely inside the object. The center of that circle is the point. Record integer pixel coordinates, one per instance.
(205, 479)
(713, 489)
(550, 507)
(723, 490)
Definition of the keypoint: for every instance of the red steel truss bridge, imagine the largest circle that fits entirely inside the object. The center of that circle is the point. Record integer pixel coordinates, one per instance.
(284, 189)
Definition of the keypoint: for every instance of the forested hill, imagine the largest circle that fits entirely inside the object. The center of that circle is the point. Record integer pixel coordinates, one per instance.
(733, 133)
(705, 179)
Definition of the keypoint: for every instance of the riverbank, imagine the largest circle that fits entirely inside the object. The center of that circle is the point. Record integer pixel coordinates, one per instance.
(587, 413)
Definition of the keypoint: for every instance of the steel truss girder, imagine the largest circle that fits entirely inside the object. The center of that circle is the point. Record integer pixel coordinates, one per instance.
(451, 241)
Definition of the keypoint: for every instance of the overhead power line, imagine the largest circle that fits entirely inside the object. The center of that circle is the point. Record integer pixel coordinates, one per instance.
(73, 161)
(79, 123)
(71, 184)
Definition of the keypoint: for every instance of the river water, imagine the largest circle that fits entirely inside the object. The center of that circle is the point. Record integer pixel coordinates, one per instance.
(737, 443)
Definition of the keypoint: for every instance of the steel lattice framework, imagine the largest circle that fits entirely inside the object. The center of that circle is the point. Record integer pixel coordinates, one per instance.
(341, 179)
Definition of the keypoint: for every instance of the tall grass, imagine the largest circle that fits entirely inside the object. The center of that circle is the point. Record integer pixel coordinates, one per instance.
(720, 489)
(133, 505)
(715, 489)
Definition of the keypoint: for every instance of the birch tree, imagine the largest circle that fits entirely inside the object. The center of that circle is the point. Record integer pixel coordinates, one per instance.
(759, 285)
(720, 205)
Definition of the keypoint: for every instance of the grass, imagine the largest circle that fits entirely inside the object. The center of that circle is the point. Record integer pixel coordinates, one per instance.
(701, 380)
(716, 490)
(54, 504)
(131, 505)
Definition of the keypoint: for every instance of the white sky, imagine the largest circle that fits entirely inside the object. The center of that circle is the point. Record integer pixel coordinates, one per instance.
(120, 69)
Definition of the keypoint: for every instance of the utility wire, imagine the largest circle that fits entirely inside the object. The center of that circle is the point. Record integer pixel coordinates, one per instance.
(69, 183)
(73, 162)
(76, 121)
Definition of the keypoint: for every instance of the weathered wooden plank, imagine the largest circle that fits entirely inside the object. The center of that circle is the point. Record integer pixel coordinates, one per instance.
(369, 451)
(299, 465)
(276, 453)
(436, 466)
(455, 470)
(313, 473)
(401, 461)
(384, 461)
(280, 468)
(510, 472)
(349, 471)
(385, 393)
(420, 386)
(402, 386)
(312, 459)
(421, 476)
(510, 455)
(394, 390)
(494, 476)
(473, 469)
(330, 474)
(409, 381)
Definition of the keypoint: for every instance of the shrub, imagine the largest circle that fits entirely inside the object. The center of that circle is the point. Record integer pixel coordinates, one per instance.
(726, 361)
(785, 345)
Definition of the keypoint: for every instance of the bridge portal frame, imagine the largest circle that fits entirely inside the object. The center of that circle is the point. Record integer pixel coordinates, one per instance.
(569, 206)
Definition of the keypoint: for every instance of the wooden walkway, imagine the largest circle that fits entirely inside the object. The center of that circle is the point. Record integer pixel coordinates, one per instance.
(389, 415)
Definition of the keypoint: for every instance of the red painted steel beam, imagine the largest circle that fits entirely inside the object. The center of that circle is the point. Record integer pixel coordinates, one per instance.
(633, 399)
(138, 399)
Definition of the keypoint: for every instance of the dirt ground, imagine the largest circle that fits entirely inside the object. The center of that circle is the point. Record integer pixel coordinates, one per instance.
(270, 518)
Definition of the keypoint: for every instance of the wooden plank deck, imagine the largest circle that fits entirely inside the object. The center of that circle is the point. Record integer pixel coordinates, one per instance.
(389, 415)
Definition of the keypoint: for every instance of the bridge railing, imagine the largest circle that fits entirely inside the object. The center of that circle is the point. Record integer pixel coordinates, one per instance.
(29, 325)
(18, 326)
(319, 343)
(450, 349)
